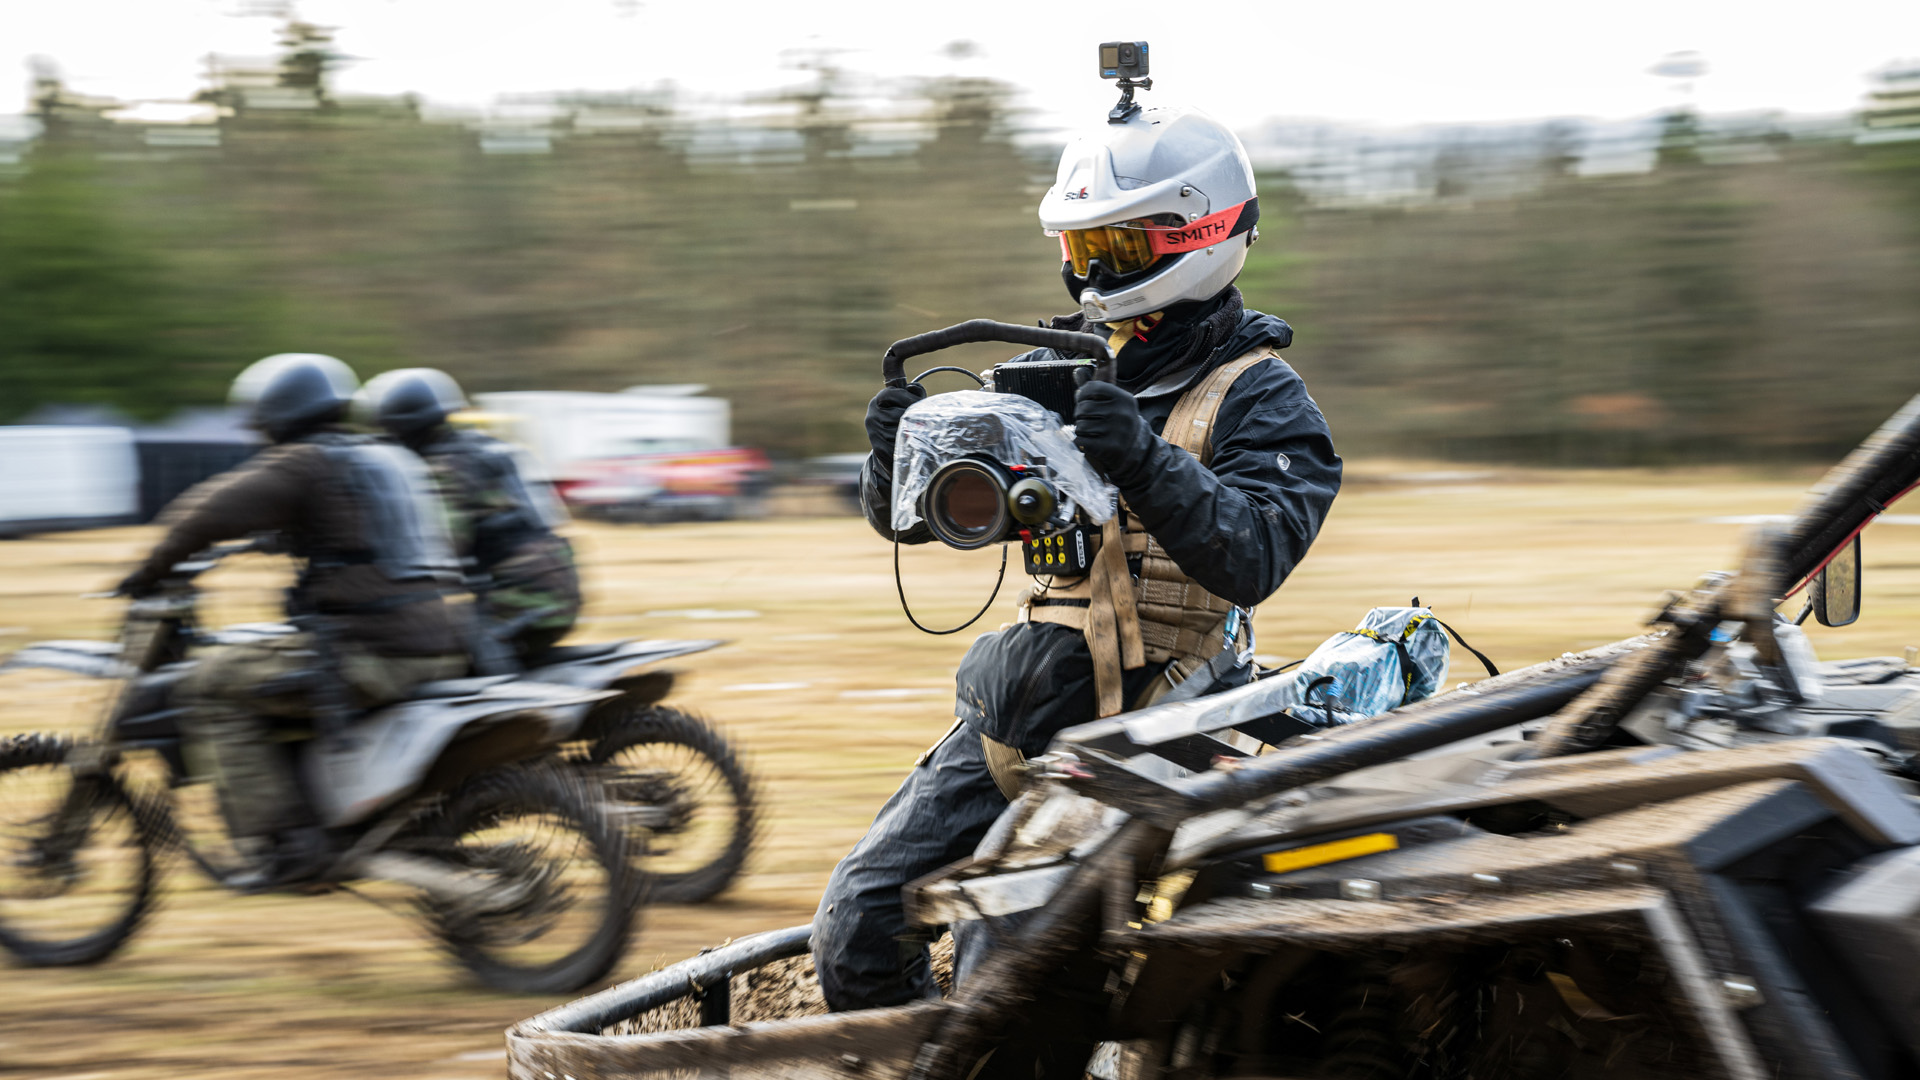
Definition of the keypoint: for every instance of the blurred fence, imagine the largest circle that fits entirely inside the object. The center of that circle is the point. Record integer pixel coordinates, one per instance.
(1764, 306)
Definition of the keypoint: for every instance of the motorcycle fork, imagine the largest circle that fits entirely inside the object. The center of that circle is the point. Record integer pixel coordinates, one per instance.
(145, 642)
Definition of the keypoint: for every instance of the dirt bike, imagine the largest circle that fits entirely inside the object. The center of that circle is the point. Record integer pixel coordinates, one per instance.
(681, 787)
(509, 805)
(1694, 853)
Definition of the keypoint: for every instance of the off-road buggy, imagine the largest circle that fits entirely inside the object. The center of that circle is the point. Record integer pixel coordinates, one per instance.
(1694, 853)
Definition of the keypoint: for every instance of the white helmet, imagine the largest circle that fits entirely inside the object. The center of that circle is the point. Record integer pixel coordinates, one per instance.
(1150, 212)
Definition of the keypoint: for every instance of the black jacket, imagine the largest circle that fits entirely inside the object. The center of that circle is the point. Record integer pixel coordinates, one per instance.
(1238, 527)
(294, 489)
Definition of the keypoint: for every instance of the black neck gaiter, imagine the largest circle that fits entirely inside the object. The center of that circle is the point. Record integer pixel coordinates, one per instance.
(1153, 345)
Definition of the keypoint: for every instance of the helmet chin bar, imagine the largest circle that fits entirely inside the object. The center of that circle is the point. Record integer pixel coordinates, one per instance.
(1105, 284)
(1100, 279)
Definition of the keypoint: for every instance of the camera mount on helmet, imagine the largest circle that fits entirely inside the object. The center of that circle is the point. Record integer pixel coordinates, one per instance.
(1127, 106)
(1125, 61)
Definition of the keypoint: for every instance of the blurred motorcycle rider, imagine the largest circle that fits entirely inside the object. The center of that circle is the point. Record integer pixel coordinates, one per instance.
(503, 520)
(1225, 468)
(361, 515)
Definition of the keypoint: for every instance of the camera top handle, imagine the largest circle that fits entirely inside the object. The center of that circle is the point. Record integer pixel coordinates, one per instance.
(893, 366)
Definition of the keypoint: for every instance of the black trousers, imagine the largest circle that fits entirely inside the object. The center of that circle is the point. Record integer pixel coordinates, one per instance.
(862, 947)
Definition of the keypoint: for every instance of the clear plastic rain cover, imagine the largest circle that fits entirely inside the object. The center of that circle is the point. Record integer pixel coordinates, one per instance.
(1010, 429)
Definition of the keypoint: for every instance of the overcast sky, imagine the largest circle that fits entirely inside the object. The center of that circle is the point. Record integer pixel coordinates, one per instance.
(1388, 62)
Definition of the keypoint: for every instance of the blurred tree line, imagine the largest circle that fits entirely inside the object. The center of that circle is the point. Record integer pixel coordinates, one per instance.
(1693, 312)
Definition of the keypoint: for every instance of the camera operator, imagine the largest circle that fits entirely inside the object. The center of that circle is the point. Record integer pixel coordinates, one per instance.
(1155, 212)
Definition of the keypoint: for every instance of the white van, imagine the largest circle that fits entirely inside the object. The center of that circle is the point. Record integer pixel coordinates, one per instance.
(54, 478)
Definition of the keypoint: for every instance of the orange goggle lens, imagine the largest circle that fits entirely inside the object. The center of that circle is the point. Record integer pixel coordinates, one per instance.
(1122, 248)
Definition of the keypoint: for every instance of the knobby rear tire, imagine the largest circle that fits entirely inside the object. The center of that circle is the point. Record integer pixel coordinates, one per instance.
(660, 724)
(152, 830)
(541, 787)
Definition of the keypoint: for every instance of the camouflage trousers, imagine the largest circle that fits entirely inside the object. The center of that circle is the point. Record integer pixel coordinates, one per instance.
(540, 577)
(232, 702)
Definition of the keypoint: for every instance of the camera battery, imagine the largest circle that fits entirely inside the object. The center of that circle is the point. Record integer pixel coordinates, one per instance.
(1068, 553)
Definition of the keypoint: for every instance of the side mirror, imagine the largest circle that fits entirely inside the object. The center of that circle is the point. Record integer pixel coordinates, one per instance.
(1835, 591)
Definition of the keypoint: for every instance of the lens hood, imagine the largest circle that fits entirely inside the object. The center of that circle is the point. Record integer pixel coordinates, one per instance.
(966, 504)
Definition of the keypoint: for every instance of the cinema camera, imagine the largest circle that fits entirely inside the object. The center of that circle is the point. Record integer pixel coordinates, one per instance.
(998, 464)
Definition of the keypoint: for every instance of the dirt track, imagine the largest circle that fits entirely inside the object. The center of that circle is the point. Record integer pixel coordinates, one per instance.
(834, 694)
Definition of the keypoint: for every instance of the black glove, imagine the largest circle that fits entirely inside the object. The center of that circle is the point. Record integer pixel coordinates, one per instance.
(136, 585)
(1108, 429)
(883, 419)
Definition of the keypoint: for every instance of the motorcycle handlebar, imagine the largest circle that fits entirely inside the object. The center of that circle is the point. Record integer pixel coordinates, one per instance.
(191, 567)
(204, 560)
(893, 365)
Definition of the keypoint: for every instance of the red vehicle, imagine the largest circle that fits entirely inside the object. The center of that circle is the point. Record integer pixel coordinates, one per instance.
(701, 485)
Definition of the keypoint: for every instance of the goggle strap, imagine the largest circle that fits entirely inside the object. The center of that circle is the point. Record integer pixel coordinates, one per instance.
(1207, 231)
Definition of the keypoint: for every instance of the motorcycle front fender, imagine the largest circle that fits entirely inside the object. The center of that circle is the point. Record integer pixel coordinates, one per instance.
(615, 668)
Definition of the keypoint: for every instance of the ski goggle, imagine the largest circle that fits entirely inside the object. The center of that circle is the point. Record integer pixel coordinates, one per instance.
(1130, 246)
(1122, 248)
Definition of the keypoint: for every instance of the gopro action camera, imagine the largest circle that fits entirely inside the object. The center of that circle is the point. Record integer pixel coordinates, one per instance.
(1123, 60)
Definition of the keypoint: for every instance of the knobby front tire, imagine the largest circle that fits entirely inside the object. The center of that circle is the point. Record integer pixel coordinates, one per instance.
(79, 856)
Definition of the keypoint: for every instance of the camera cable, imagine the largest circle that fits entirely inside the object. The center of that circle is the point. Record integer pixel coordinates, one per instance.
(908, 608)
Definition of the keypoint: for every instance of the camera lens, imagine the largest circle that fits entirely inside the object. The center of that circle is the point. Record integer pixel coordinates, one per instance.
(1126, 54)
(970, 504)
(966, 505)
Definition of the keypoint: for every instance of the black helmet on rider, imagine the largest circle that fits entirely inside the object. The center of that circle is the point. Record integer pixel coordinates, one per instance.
(408, 402)
(289, 394)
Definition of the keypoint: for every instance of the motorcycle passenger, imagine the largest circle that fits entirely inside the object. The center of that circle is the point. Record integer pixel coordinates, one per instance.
(1226, 470)
(361, 516)
(503, 519)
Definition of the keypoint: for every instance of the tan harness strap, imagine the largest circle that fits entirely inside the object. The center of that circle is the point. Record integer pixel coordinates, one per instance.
(1120, 593)
(1190, 425)
(1164, 615)
(1113, 621)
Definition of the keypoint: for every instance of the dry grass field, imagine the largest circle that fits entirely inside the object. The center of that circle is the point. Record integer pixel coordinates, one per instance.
(833, 694)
